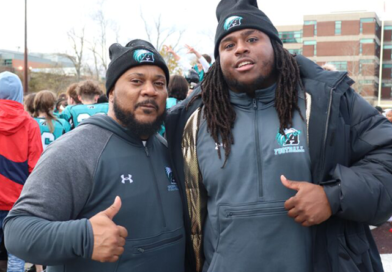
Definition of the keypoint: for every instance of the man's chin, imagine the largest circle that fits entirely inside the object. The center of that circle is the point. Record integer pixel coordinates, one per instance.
(147, 120)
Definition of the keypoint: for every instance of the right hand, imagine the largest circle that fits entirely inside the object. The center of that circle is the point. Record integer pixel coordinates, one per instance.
(168, 49)
(109, 238)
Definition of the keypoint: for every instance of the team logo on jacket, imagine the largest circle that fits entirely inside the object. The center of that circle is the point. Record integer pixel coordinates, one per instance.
(290, 142)
(143, 55)
(232, 22)
(126, 179)
(173, 183)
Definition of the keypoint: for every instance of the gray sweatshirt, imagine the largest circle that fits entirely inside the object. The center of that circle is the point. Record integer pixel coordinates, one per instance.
(78, 176)
(247, 228)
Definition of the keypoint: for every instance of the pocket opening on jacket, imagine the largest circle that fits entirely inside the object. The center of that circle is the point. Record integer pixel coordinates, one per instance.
(146, 248)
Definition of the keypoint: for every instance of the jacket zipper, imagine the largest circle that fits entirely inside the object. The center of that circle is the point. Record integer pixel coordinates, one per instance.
(142, 249)
(327, 123)
(258, 159)
(255, 212)
(156, 187)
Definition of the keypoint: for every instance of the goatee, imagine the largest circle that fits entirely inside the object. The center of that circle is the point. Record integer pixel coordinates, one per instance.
(129, 121)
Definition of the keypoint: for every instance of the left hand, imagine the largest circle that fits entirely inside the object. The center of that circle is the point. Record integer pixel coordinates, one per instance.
(309, 206)
(191, 50)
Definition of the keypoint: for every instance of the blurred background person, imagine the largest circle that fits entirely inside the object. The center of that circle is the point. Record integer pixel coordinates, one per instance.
(88, 92)
(20, 149)
(177, 91)
(29, 103)
(50, 126)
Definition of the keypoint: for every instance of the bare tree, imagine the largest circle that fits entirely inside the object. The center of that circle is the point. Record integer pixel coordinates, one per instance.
(77, 44)
(93, 49)
(358, 67)
(103, 23)
(158, 35)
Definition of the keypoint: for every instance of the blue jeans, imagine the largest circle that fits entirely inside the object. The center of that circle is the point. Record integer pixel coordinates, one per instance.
(14, 263)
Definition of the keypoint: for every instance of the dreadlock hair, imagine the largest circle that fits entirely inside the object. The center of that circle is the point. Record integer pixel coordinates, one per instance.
(220, 114)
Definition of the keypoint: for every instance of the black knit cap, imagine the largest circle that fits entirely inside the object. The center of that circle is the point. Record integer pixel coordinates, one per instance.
(235, 15)
(135, 53)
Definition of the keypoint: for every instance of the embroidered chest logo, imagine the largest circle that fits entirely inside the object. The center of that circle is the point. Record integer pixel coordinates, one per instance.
(217, 146)
(173, 183)
(232, 22)
(124, 179)
(290, 142)
(142, 55)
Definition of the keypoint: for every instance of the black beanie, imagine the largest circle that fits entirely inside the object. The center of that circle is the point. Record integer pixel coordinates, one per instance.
(135, 53)
(235, 15)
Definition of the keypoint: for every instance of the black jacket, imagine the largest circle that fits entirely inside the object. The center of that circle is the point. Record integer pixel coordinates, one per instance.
(351, 155)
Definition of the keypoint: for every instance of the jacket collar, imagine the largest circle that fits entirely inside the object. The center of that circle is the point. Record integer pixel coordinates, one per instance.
(264, 97)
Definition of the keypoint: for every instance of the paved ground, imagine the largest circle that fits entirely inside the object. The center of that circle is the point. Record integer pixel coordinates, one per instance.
(383, 238)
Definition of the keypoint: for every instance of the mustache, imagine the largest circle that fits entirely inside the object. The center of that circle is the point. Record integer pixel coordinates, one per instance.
(146, 102)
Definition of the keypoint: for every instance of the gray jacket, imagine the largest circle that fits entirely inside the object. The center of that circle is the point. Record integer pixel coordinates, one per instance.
(79, 176)
(246, 203)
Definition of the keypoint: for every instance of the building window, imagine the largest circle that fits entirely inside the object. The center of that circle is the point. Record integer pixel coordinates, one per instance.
(340, 65)
(362, 62)
(291, 36)
(388, 47)
(338, 27)
(7, 62)
(388, 28)
(388, 66)
(312, 23)
(295, 51)
(365, 20)
(366, 82)
(314, 43)
(362, 41)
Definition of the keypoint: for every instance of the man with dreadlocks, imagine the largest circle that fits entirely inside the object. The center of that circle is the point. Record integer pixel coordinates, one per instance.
(260, 116)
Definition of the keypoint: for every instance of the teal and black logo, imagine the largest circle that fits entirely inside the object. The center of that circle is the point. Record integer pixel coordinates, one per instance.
(232, 22)
(143, 55)
(289, 142)
(291, 137)
(173, 183)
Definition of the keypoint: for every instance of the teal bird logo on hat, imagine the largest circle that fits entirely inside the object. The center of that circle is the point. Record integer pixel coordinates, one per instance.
(232, 22)
(143, 55)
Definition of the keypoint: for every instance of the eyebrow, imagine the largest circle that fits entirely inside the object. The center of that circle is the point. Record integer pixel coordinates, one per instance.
(143, 75)
(243, 34)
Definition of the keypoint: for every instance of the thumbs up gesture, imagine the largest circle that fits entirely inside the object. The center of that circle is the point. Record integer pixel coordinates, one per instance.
(310, 205)
(109, 238)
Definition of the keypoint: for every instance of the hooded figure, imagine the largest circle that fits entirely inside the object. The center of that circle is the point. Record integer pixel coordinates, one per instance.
(20, 149)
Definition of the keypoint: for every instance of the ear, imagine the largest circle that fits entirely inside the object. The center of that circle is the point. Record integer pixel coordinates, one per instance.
(111, 95)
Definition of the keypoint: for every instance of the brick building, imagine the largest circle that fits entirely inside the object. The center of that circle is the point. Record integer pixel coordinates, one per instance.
(350, 41)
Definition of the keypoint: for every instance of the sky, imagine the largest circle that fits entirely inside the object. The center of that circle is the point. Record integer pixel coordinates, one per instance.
(50, 20)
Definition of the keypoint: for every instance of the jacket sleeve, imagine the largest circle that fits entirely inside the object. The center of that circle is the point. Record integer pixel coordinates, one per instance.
(44, 225)
(363, 191)
(37, 240)
(35, 145)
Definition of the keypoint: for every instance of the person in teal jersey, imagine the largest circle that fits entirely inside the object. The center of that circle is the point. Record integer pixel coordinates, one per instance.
(72, 99)
(88, 93)
(51, 127)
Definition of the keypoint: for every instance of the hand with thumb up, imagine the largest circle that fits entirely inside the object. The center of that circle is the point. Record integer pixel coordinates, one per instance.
(109, 238)
(310, 205)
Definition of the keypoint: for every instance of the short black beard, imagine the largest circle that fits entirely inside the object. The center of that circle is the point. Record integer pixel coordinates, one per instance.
(139, 129)
(242, 88)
